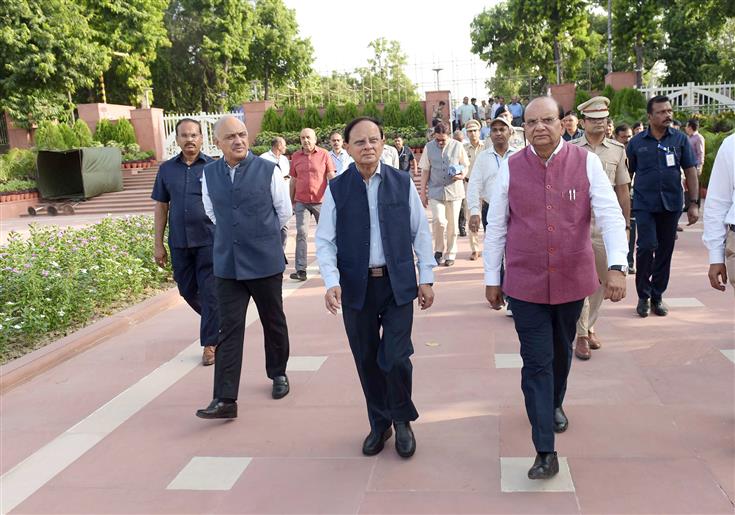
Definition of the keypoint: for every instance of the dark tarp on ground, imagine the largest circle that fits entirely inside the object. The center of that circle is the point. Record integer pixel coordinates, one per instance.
(81, 173)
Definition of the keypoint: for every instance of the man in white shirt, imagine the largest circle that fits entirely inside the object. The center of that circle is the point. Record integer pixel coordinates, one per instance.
(390, 156)
(719, 217)
(466, 112)
(339, 155)
(277, 154)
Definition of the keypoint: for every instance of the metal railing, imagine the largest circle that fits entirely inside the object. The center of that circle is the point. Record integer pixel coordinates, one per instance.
(708, 98)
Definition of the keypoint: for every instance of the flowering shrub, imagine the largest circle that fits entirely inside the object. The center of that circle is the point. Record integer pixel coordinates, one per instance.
(58, 279)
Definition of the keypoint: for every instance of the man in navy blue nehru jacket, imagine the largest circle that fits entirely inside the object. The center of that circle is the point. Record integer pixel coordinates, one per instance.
(178, 196)
(248, 202)
(371, 223)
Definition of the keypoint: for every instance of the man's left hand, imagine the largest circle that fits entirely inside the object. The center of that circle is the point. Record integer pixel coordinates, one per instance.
(458, 177)
(615, 286)
(426, 296)
(693, 214)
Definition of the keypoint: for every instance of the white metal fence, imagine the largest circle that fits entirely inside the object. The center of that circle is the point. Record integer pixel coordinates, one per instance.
(207, 121)
(697, 97)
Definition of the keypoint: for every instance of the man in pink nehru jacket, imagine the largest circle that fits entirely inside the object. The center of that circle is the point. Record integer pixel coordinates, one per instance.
(539, 218)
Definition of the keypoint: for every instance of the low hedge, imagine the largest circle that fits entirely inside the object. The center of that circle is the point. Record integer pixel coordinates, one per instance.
(57, 280)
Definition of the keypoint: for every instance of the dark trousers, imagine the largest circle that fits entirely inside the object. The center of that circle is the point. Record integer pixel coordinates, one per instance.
(194, 277)
(546, 333)
(383, 360)
(656, 236)
(485, 209)
(233, 297)
(631, 243)
(461, 220)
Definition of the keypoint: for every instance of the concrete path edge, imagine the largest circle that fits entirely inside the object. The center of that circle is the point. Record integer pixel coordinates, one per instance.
(34, 363)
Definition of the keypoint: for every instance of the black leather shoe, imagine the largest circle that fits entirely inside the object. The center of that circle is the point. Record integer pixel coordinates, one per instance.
(546, 466)
(643, 308)
(658, 307)
(561, 422)
(405, 441)
(280, 387)
(448, 262)
(374, 442)
(438, 257)
(299, 275)
(218, 409)
(462, 232)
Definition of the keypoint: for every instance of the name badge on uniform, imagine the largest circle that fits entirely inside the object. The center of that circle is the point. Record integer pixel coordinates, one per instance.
(670, 160)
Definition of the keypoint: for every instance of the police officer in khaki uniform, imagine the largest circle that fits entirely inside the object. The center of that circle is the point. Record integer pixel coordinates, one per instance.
(615, 163)
(473, 147)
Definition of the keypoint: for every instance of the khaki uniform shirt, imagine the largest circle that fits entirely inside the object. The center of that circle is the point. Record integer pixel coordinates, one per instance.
(471, 155)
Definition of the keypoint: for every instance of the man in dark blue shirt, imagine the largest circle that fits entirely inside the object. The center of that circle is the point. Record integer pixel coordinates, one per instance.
(178, 196)
(656, 157)
(406, 160)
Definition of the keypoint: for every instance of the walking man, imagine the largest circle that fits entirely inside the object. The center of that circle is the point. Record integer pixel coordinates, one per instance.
(340, 158)
(311, 168)
(539, 217)
(615, 165)
(656, 157)
(473, 147)
(373, 205)
(178, 194)
(443, 165)
(247, 200)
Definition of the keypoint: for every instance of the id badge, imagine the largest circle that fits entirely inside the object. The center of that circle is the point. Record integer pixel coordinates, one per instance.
(670, 160)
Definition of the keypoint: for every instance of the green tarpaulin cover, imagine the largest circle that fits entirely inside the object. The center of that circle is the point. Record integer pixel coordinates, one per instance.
(81, 173)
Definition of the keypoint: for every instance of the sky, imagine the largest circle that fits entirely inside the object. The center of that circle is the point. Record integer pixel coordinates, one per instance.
(341, 30)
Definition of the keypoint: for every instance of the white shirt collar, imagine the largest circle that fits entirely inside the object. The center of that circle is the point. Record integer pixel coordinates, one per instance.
(556, 150)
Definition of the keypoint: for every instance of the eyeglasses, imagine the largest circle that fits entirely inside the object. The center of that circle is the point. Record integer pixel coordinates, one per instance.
(548, 122)
(471, 130)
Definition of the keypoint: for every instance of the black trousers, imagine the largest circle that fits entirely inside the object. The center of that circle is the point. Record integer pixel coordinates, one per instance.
(194, 277)
(656, 236)
(547, 333)
(233, 297)
(485, 209)
(631, 243)
(383, 360)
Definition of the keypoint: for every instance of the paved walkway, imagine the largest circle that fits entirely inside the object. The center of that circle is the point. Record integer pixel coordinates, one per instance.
(652, 417)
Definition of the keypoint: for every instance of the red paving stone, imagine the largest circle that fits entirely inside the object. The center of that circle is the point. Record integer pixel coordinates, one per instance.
(652, 415)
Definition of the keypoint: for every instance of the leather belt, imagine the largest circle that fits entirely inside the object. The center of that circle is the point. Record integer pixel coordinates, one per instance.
(378, 271)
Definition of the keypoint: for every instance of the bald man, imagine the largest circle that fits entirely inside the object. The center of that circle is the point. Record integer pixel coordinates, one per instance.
(311, 168)
(247, 200)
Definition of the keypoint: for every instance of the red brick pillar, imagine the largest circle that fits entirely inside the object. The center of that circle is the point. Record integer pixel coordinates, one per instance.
(148, 124)
(254, 112)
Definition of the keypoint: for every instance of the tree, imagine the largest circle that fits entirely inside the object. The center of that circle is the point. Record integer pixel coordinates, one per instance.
(204, 69)
(311, 117)
(392, 114)
(331, 115)
(637, 26)
(131, 32)
(384, 79)
(277, 54)
(271, 120)
(47, 53)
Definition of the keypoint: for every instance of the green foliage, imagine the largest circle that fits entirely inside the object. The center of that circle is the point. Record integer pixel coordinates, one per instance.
(70, 138)
(712, 142)
(331, 114)
(105, 132)
(371, 110)
(277, 54)
(47, 51)
(638, 33)
(260, 149)
(580, 98)
(609, 92)
(311, 117)
(628, 103)
(125, 132)
(271, 120)
(292, 120)
(17, 186)
(414, 116)
(48, 136)
(82, 133)
(384, 78)
(392, 114)
(721, 122)
(349, 112)
(59, 279)
(17, 164)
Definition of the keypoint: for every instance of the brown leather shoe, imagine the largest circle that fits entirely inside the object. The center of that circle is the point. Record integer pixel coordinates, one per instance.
(208, 355)
(595, 342)
(474, 256)
(582, 350)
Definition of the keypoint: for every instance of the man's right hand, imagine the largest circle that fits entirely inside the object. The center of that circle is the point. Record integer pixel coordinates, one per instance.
(717, 276)
(494, 295)
(474, 223)
(159, 254)
(333, 299)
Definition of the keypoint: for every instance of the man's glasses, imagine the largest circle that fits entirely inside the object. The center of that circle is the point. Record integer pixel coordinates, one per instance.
(548, 122)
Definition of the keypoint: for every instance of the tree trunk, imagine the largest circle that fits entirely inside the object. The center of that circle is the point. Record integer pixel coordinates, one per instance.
(557, 61)
(638, 65)
(265, 82)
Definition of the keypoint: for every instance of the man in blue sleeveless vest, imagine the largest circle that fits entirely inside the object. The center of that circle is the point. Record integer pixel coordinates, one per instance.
(372, 222)
(247, 200)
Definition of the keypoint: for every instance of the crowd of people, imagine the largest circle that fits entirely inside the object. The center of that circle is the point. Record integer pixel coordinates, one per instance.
(557, 209)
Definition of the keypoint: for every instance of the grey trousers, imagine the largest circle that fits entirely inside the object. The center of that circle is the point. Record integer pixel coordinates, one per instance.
(302, 230)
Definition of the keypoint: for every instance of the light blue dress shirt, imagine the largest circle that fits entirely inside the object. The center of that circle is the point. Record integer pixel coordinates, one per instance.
(326, 235)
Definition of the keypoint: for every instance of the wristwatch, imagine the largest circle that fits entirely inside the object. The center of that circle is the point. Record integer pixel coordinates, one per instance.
(619, 268)
(694, 201)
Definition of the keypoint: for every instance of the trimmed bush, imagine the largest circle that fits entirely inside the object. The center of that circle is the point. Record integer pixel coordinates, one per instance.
(349, 112)
(272, 121)
(392, 114)
(370, 109)
(312, 118)
(82, 132)
(414, 116)
(49, 137)
(105, 131)
(70, 137)
(628, 103)
(18, 164)
(580, 98)
(292, 120)
(125, 132)
(331, 115)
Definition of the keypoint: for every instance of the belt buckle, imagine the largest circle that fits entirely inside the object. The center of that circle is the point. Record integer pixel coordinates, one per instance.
(378, 271)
